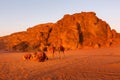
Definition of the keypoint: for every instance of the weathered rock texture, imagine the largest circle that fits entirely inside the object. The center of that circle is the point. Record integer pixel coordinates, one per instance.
(79, 30)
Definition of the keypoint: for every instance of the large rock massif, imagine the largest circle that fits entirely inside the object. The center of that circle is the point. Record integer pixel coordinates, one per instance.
(79, 30)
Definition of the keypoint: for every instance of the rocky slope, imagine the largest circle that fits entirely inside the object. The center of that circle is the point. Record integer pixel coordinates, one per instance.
(79, 30)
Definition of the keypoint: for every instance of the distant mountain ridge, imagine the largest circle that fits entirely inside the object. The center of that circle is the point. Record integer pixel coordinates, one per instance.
(79, 30)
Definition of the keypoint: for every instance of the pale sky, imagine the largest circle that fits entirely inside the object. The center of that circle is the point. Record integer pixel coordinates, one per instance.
(18, 15)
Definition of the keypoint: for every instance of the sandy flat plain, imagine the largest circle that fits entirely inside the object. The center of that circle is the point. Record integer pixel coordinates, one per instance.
(83, 64)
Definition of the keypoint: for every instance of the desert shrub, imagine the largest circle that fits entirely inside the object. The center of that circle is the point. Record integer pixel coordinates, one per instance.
(23, 46)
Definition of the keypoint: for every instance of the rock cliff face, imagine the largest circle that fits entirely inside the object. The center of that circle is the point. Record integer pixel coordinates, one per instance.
(82, 30)
(79, 30)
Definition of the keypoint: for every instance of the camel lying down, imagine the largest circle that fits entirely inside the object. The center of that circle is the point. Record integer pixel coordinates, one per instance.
(40, 56)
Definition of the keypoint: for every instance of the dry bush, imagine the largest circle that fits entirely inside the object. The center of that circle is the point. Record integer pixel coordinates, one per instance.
(23, 46)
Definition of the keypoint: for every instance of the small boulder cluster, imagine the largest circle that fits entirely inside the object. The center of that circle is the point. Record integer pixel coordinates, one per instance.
(37, 56)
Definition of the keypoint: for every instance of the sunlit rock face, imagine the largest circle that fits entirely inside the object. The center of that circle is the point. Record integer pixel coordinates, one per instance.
(79, 30)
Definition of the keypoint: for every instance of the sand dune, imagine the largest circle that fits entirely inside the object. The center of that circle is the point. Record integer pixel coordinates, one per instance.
(84, 64)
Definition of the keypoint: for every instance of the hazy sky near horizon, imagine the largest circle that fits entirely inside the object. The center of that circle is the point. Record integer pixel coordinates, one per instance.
(18, 15)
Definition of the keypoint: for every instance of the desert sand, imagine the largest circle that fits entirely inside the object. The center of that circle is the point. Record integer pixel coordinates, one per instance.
(82, 64)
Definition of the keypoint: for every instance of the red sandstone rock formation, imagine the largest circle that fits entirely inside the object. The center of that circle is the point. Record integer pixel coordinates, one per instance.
(72, 31)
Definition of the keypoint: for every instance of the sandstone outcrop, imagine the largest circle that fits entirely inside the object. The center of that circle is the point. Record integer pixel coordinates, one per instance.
(72, 31)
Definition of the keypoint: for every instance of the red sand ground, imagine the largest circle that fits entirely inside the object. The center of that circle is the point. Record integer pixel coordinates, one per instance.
(84, 64)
